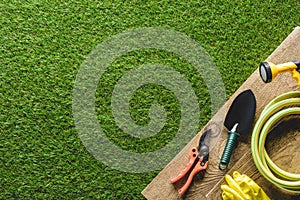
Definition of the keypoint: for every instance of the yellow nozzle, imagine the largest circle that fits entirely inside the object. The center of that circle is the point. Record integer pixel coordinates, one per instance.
(268, 71)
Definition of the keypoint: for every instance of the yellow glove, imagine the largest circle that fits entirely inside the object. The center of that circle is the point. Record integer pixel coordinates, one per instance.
(241, 187)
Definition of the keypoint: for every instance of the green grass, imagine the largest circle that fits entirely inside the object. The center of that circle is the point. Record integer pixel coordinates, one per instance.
(43, 44)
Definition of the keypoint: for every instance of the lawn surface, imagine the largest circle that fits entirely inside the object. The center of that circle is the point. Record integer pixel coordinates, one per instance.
(44, 43)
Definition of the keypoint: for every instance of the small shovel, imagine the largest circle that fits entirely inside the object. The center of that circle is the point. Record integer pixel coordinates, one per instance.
(238, 121)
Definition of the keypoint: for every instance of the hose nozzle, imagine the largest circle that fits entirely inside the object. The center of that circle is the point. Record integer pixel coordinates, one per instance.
(268, 71)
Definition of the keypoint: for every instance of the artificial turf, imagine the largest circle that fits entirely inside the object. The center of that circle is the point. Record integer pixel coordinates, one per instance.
(44, 43)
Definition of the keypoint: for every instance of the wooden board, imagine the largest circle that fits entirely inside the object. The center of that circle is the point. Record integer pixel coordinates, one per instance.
(283, 147)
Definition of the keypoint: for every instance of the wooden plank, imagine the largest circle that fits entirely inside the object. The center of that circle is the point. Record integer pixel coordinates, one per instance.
(209, 187)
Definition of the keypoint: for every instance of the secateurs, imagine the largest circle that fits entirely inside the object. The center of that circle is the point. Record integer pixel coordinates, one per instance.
(198, 162)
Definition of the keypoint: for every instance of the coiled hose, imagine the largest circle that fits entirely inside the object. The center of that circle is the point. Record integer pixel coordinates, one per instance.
(284, 105)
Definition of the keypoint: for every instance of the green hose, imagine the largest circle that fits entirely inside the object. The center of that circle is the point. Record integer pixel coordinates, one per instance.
(280, 107)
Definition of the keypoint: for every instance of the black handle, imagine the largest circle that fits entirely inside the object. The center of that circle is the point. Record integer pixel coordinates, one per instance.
(230, 144)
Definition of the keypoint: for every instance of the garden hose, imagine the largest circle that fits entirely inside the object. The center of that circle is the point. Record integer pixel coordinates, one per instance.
(284, 105)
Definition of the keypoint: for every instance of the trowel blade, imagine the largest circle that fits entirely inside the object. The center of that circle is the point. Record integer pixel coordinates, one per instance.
(241, 111)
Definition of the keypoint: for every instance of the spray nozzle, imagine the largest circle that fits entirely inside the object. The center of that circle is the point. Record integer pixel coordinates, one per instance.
(268, 71)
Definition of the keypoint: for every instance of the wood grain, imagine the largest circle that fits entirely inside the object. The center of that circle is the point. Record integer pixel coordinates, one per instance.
(283, 144)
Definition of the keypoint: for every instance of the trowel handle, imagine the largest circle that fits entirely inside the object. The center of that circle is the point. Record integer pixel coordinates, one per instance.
(230, 144)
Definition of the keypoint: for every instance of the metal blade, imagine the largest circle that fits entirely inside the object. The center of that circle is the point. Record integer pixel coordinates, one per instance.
(205, 138)
(203, 147)
(241, 112)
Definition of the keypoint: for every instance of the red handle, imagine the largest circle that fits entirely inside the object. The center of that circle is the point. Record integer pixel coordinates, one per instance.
(193, 155)
(197, 169)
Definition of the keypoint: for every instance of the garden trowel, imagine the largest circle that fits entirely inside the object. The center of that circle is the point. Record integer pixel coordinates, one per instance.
(238, 121)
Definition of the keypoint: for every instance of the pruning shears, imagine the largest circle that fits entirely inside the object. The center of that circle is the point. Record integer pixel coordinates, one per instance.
(198, 162)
